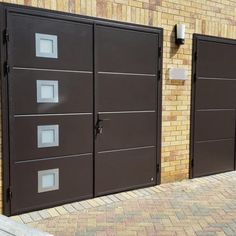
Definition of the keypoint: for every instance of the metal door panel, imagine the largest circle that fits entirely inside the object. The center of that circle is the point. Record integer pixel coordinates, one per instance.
(214, 104)
(217, 59)
(71, 114)
(127, 51)
(75, 182)
(75, 92)
(119, 166)
(213, 157)
(213, 125)
(215, 93)
(138, 92)
(75, 136)
(122, 131)
(75, 43)
(126, 86)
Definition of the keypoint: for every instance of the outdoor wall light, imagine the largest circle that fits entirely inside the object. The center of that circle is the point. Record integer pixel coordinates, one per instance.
(179, 34)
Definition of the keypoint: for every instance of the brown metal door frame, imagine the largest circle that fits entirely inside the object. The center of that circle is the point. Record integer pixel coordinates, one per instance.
(5, 8)
(196, 38)
(4, 113)
(194, 53)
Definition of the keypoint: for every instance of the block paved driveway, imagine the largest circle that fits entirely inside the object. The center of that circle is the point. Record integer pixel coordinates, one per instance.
(204, 206)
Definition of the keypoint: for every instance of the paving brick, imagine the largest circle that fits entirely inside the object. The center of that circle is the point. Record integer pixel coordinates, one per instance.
(85, 204)
(99, 201)
(44, 214)
(92, 202)
(35, 216)
(125, 195)
(26, 218)
(78, 206)
(61, 210)
(69, 208)
(113, 198)
(171, 211)
(53, 212)
(120, 197)
(17, 218)
(106, 199)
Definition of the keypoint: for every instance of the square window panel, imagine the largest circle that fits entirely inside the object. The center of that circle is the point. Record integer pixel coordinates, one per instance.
(48, 180)
(47, 91)
(48, 136)
(46, 45)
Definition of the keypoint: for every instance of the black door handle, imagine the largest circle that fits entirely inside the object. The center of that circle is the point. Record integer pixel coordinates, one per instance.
(99, 125)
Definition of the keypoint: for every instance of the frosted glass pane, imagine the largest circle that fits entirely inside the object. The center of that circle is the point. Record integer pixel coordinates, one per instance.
(48, 136)
(47, 92)
(48, 181)
(46, 46)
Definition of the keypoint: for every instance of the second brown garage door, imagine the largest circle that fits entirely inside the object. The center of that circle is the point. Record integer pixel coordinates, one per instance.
(213, 106)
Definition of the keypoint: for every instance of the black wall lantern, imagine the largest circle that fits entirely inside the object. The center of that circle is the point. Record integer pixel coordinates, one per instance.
(179, 34)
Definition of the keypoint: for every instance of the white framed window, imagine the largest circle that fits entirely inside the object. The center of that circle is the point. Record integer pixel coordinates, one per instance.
(48, 136)
(46, 45)
(47, 91)
(48, 180)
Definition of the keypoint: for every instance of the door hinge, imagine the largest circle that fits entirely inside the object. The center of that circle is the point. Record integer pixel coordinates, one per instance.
(6, 35)
(192, 163)
(195, 56)
(159, 51)
(194, 77)
(158, 168)
(6, 68)
(159, 75)
(9, 194)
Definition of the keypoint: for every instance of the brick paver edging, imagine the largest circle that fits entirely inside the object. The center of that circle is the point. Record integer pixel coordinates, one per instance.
(85, 205)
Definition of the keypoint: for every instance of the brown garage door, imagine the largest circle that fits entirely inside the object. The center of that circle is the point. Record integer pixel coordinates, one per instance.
(213, 105)
(84, 108)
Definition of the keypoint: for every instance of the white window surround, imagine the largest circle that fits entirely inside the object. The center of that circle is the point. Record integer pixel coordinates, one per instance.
(48, 136)
(48, 180)
(46, 45)
(47, 91)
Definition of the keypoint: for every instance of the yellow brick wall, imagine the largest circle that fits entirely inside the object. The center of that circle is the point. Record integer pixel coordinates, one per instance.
(212, 17)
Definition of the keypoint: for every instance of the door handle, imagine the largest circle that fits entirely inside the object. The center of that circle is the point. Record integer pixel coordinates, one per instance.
(99, 125)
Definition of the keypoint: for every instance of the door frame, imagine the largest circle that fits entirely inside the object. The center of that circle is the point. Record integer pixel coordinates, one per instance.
(5, 9)
(196, 38)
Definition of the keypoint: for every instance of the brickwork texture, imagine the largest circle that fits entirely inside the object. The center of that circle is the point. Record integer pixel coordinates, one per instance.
(210, 17)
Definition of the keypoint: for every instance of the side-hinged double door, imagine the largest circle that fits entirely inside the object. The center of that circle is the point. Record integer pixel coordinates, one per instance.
(83, 102)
